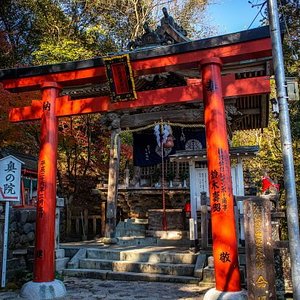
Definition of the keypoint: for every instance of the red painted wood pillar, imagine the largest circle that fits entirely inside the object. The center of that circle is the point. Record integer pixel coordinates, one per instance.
(45, 221)
(225, 249)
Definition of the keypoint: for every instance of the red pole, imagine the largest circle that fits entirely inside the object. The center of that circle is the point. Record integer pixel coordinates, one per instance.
(46, 203)
(225, 249)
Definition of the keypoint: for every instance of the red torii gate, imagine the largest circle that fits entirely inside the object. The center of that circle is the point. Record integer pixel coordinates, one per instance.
(207, 56)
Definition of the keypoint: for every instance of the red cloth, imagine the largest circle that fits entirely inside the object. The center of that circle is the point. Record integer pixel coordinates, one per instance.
(267, 183)
(187, 207)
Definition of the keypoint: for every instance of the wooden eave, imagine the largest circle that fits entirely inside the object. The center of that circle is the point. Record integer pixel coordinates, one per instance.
(201, 155)
(231, 48)
(245, 78)
(29, 162)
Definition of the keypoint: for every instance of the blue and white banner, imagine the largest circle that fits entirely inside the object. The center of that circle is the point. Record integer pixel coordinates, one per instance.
(147, 152)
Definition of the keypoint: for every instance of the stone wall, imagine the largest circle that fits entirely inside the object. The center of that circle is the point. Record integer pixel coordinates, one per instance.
(22, 228)
(20, 241)
(135, 203)
(175, 219)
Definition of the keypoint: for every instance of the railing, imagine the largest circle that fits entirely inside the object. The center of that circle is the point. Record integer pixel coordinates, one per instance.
(81, 224)
(204, 221)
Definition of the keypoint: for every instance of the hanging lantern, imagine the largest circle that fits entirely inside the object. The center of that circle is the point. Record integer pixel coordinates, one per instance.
(169, 143)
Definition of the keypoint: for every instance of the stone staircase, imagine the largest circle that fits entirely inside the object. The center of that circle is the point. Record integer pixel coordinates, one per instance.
(141, 255)
(147, 263)
(134, 232)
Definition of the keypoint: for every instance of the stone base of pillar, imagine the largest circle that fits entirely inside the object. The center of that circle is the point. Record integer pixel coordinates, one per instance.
(214, 294)
(43, 290)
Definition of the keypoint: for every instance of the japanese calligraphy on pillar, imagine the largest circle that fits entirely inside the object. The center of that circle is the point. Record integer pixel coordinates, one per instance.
(220, 188)
(259, 251)
(41, 190)
(215, 183)
(10, 179)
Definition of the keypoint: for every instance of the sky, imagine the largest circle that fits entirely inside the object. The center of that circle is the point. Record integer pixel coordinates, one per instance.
(233, 15)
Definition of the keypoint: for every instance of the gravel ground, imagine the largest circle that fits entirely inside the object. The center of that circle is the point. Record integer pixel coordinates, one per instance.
(83, 289)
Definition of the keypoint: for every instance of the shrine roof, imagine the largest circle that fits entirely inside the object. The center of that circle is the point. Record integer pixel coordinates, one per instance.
(200, 155)
(141, 53)
(30, 162)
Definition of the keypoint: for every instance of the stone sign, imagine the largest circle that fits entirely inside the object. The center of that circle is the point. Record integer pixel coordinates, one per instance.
(259, 249)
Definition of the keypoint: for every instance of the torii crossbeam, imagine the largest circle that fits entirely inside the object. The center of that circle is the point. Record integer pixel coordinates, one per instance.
(211, 85)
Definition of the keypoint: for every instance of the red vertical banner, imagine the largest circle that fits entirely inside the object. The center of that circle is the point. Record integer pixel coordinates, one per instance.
(225, 249)
(45, 220)
(120, 78)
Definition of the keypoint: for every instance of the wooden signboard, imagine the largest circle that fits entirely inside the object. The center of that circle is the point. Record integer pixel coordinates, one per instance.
(10, 179)
(10, 184)
(259, 249)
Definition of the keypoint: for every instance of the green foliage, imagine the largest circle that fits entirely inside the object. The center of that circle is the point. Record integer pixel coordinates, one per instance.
(269, 157)
(127, 138)
(156, 175)
(66, 50)
(184, 175)
(38, 32)
(170, 175)
(51, 31)
(291, 16)
(270, 154)
(59, 276)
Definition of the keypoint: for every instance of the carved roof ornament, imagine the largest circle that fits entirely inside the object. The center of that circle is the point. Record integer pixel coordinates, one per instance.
(169, 32)
(111, 121)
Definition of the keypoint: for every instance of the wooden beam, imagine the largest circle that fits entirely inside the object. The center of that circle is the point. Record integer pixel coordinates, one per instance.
(66, 107)
(70, 78)
(250, 111)
(228, 54)
(178, 116)
(264, 104)
(167, 62)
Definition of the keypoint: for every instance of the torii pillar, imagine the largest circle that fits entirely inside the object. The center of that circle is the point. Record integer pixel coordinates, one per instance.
(44, 284)
(225, 247)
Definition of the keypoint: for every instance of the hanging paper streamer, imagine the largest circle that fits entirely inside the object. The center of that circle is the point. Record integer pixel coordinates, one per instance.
(157, 133)
(167, 131)
(162, 132)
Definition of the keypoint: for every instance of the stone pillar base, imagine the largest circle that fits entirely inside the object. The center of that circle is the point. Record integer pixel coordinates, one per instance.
(214, 294)
(43, 290)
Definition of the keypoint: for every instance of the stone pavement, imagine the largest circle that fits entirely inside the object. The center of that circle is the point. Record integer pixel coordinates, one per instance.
(85, 288)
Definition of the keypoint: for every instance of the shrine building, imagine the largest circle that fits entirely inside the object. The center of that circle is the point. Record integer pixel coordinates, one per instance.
(200, 92)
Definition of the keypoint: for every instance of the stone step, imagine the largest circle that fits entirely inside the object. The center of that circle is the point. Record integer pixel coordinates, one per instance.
(130, 232)
(61, 263)
(176, 243)
(130, 225)
(138, 267)
(109, 254)
(168, 235)
(143, 256)
(139, 221)
(136, 241)
(128, 276)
